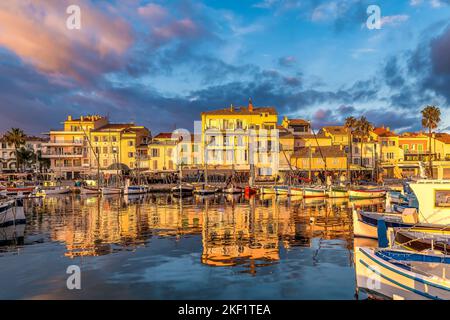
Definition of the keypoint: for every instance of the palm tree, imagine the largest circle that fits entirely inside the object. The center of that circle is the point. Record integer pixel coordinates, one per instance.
(350, 124)
(363, 128)
(26, 157)
(431, 116)
(16, 137)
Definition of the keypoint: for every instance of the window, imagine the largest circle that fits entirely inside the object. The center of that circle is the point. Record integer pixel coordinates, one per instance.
(105, 162)
(105, 139)
(406, 148)
(155, 164)
(130, 155)
(105, 150)
(155, 152)
(420, 147)
(96, 139)
(130, 143)
(113, 138)
(239, 124)
(3, 145)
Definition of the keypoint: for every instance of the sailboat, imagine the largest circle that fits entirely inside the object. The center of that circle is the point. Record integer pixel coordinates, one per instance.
(182, 189)
(205, 189)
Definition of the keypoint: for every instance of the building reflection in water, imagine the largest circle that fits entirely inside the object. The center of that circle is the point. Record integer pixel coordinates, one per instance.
(234, 230)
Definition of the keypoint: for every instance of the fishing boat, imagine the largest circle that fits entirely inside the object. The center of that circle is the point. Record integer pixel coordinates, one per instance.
(281, 190)
(366, 193)
(337, 192)
(433, 198)
(267, 190)
(111, 190)
(90, 190)
(435, 241)
(49, 191)
(295, 191)
(311, 192)
(233, 190)
(206, 190)
(18, 190)
(399, 274)
(11, 212)
(182, 190)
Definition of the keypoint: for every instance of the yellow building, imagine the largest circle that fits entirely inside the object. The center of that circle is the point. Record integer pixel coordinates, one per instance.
(338, 134)
(123, 144)
(68, 149)
(286, 149)
(332, 158)
(236, 137)
(162, 152)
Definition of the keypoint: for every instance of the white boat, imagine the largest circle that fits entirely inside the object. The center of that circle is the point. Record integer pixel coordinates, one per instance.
(233, 190)
(314, 193)
(401, 275)
(11, 212)
(182, 190)
(335, 192)
(111, 190)
(48, 191)
(90, 190)
(366, 193)
(205, 190)
(433, 212)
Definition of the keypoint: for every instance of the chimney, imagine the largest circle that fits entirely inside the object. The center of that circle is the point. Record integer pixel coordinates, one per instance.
(69, 118)
(250, 105)
(231, 108)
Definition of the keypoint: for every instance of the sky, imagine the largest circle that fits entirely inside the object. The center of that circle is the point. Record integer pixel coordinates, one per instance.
(161, 63)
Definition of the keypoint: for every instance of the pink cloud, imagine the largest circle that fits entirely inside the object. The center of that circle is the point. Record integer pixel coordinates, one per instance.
(153, 13)
(36, 32)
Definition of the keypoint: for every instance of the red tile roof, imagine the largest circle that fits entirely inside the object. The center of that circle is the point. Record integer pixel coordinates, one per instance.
(384, 132)
(326, 152)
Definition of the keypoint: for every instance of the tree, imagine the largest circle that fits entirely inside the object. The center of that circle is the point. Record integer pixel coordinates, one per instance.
(363, 128)
(350, 124)
(25, 157)
(431, 116)
(16, 137)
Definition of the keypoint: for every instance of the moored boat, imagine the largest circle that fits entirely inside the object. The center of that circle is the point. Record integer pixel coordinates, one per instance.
(296, 191)
(398, 274)
(267, 190)
(90, 190)
(314, 192)
(206, 190)
(423, 241)
(182, 190)
(111, 190)
(281, 190)
(11, 212)
(366, 193)
(233, 190)
(250, 190)
(337, 192)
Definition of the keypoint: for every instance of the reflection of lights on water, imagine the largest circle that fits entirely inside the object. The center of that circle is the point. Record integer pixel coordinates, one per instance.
(234, 231)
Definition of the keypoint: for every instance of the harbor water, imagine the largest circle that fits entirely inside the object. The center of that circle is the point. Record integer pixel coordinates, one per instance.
(160, 247)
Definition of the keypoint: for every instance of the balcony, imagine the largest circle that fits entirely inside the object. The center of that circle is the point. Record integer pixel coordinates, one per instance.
(54, 155)
(63, 144)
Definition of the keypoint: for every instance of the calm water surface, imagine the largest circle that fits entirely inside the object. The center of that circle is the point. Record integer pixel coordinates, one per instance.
(158, 247)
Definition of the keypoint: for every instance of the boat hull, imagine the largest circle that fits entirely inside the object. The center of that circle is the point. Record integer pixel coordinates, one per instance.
(85, 190)
(366, 194)
(314, 193)
(375, 274)
(336, 193)
(233, 190)
(11, 213)
(108, 191)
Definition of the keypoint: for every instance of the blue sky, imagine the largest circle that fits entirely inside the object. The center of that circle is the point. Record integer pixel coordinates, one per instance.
(160, 63)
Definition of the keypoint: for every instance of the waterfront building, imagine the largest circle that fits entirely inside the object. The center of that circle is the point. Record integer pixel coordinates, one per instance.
(162, 150)
(315, 159)
(296, 126)
(7, 156)
(68, 149)
(120, 146)
(338, 134)
(236, 137)
(390, 152)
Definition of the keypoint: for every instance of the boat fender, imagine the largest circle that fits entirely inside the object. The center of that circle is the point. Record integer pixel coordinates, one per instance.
(383, 241)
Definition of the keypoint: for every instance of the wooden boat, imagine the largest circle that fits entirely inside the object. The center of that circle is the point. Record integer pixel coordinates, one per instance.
(111, 190)
(206, 190)
(90, 190)
(432, 196)
(267, 190)
(314, 193)
(233, 190)
(16, 191)
(336, 192)
(49, 191)
(281, 190)
(422, 241)
(366, 193)
(398, 274)
(182, 190)
(296, 191)
(11, 212)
